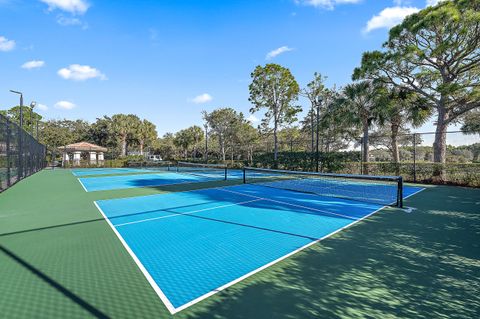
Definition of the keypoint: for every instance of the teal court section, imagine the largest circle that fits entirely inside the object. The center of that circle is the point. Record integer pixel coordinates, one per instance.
(91, 184)
(111, 171)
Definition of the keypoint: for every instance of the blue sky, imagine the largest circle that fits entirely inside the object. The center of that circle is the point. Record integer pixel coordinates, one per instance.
(169, 60)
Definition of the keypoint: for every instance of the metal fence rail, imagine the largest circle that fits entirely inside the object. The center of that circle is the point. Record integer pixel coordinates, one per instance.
(20, 154)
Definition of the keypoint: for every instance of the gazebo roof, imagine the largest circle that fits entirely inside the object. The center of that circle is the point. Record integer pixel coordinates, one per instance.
(82, 146)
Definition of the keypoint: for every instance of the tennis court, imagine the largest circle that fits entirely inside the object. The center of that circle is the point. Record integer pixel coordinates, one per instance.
(110, 171)
(191, 245)
(153, 177)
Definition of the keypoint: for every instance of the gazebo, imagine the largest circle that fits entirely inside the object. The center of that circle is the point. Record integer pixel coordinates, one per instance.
(95, 153)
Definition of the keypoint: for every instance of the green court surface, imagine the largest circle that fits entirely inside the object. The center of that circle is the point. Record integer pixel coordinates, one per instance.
(60, 259)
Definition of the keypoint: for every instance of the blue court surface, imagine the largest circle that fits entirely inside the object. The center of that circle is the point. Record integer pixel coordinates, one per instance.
(92, 184)
(112, 171)
(103, 183)
(190, 245)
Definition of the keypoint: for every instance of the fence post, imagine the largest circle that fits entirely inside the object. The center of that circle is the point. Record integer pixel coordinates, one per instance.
(206, 143)
(414, 157)
(20, 153)
(361, 156)
(7, 124)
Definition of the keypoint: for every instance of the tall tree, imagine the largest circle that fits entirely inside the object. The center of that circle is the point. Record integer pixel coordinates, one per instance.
(186, 138)
(222, 123)
(124, 126)
(402, 107)
(471, 122)
(436, 53)
(274, 88)
(197, 133)
(100, 132)
(30, 117)
(146, 134)
(360, 107)
(314, 92)
(248, 137)
(62, 132)
(166, 146)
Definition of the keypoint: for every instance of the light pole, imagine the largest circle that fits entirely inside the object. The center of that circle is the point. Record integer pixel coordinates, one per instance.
(318, 103)
(32, 105)
(21, 106)
(20, 138)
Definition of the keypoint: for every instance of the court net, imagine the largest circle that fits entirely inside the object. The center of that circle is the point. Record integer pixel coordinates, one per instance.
(384, 190)
(216, 171)
(152, 165)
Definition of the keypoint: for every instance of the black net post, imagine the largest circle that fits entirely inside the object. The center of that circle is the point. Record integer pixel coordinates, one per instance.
(8, 151)
(400, 192)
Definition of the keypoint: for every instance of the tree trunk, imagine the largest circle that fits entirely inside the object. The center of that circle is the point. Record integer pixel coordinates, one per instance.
(222, 148)
(395, 150)
(365, 147)
(394, 137)
(275, 141)
(141, 147)
(440, 144)
(311, 123)
(124, 146)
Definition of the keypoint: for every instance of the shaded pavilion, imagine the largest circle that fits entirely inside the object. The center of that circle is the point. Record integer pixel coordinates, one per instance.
(75, 150)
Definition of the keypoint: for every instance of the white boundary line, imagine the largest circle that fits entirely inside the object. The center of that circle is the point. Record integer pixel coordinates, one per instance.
(78, 178)
(165, 299)
(187, 213)
(145, 272)
(420, 190)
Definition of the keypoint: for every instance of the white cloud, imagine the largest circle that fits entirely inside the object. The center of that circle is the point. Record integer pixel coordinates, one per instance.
(202, 98)
(42, 107)
(276, 52)
(252, 119)
(326, 4)
(433, 2)
(72, 6)
(65, 21)
(6, 45)
(64, 105)
(34, 64)
(389, 17)
(79, 72)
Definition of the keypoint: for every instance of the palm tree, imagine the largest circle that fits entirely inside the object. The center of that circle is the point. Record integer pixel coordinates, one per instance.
(403, 107)
(124, 126)
(361, 107)
(146, 133)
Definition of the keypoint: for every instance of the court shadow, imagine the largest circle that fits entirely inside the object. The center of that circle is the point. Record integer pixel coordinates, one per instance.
(93, 311)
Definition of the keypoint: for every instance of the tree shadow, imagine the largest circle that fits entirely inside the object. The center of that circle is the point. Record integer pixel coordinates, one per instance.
(419, 265)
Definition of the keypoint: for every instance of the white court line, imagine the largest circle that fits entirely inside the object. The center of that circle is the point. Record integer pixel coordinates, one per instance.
(165, 299)
(82, 185)
(289, 204)
(142, 268)
(187, 213)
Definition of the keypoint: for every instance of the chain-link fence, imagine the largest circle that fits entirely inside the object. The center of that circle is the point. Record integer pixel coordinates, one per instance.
(20, 154)
(412, 156)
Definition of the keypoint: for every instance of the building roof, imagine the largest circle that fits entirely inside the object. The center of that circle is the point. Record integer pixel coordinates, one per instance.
(82, 146)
